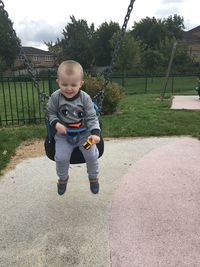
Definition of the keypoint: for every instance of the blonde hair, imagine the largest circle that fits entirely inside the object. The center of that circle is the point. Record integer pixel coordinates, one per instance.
(70, 67)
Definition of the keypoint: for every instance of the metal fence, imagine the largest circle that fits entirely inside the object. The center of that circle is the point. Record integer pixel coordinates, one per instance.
(153, 84)
(20, 104)
(19, 100)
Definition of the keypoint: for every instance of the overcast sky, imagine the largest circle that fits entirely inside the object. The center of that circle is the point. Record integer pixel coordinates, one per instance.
(43, 20)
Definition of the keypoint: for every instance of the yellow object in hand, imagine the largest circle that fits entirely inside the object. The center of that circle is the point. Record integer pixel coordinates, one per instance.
(88, 143)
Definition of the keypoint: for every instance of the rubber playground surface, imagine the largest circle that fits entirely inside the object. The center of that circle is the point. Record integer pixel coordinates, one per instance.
(147, 213)
(190, 102)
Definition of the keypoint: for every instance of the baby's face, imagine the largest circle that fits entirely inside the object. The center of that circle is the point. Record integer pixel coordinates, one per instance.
(70, 84)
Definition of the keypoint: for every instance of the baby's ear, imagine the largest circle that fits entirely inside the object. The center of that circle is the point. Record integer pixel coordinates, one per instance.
(57, 81)
(82, 82)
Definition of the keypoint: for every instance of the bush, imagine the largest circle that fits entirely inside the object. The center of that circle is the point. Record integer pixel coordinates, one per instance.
(113, 92)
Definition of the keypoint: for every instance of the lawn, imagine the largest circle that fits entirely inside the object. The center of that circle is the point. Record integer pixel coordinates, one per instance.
(137, 116)
(146, 115)
(175, 85)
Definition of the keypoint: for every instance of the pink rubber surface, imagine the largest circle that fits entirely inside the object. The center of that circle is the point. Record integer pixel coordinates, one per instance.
(186, 102)
(155, 217)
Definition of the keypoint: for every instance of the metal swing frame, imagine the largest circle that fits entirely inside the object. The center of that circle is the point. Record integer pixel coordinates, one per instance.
(77, 156)
(175, 46)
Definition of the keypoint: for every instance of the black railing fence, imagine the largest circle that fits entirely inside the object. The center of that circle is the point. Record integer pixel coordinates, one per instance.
(19, 101)
(20, 104)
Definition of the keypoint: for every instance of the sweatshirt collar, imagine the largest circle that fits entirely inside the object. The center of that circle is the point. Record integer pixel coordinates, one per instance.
(72, 98)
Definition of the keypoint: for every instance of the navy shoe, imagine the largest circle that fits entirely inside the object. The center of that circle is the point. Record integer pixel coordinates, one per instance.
(61, 186)
(94, 186)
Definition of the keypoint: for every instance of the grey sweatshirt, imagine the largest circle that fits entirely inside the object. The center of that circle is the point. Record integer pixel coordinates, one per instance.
(79, 108)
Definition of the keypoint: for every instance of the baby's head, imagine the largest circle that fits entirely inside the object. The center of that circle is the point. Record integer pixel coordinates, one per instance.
(70, 77)
(70, 67)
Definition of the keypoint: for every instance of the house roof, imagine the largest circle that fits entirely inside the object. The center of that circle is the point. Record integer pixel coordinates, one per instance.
(35, 51)
(196, 29)
(190, 35)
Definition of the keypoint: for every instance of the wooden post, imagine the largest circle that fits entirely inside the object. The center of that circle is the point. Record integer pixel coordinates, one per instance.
(164, 86)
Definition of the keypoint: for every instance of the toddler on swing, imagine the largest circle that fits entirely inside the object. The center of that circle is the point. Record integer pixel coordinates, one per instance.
(69, 106)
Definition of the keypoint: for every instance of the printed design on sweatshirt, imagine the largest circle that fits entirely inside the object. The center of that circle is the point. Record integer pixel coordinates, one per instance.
(71, 112)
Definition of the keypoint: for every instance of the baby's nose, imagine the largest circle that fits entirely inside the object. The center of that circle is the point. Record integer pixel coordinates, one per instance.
(68, 87)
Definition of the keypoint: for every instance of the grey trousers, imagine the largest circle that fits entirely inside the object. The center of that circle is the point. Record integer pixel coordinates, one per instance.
(63, 154)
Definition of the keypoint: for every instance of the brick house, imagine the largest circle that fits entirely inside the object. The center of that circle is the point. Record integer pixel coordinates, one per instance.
(192, 38)
(39, 58)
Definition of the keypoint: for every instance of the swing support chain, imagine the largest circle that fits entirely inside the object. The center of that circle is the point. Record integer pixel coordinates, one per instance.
(99, 97)
(29, 66)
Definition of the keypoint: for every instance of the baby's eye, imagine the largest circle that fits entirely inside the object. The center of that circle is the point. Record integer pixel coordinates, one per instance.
(74, 85)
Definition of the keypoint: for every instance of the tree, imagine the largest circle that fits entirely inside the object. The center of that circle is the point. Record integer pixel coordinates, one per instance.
(152, 60)
(157, 37)
(9, 43)
(174, 26)
(129, 53)
(77, 42)
(153, 32)
(2, 64)
(102, 45)
(150, 32)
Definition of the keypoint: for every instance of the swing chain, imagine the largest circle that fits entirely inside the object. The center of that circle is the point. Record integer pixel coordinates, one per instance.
(29, 66)
(99, 98)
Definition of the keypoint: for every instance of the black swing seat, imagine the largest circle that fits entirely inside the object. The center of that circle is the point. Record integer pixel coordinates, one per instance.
(76, 157)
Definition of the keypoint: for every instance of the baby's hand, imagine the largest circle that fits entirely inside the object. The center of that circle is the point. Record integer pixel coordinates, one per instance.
(61, 129)
(94, 138)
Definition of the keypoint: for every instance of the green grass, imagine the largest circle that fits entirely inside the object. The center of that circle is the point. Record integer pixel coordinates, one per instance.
(176, 85)
(138, 116)
(146, 115)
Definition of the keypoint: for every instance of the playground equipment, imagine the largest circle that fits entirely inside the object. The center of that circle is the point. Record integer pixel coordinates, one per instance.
(173, 52)
(76, 156)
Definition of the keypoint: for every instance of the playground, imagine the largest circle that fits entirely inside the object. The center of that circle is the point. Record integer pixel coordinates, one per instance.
(146, 214)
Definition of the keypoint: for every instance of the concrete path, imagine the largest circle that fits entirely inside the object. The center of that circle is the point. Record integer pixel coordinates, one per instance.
(186, 102)
(40, 228)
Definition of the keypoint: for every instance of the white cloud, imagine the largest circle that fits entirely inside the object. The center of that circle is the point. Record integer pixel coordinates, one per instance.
(38, 30)
(167, 11)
